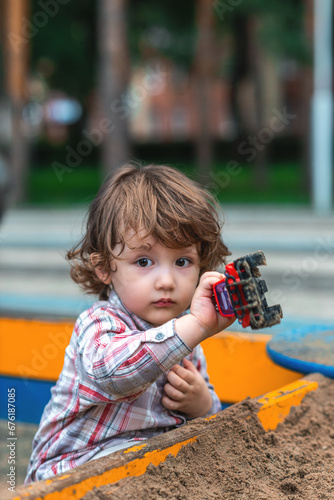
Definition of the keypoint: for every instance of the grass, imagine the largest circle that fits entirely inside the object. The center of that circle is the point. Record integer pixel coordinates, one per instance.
(284, 186)
(81, 185)
(75, 188)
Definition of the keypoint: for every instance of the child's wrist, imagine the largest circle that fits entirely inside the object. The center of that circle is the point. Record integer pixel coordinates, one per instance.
(191, 330)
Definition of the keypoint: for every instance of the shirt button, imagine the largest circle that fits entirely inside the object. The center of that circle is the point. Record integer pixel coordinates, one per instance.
(159, 336)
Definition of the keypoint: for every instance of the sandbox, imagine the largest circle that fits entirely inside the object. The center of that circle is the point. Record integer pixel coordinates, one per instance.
(263, 448)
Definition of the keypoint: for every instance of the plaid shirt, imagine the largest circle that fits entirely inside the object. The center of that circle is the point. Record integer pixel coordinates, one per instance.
(110, 388)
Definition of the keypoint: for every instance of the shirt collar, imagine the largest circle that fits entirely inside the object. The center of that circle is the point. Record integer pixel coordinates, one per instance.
(116, 303)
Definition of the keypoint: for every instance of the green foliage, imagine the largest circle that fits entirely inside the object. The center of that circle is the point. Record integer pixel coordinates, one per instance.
(68, 42)
(283, 188)
(162, 28)
(283, 31)
(167, 29)
(80, 186)
(76, 188)
(282, 23)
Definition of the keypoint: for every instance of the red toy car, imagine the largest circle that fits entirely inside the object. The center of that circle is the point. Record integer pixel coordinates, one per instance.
(241, 293)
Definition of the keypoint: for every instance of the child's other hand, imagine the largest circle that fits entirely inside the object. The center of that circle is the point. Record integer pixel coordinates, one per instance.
(203, 308)
(187, 391)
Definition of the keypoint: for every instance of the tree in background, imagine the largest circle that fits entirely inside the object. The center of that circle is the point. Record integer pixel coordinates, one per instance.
(251, 33)
(114, 75)
(205, 65)
(16, 49)
(4, 175)
(187, 40)
(260, 30)
(98, 42)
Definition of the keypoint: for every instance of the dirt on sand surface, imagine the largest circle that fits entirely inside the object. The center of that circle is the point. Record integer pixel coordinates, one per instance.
(239, 460)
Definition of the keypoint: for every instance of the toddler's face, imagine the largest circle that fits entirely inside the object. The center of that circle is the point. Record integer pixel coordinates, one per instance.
(155, 282)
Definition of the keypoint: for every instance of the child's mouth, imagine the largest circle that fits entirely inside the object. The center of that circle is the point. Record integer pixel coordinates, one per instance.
(163, 303)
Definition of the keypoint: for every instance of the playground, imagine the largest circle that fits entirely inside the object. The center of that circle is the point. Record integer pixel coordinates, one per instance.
(236, 96)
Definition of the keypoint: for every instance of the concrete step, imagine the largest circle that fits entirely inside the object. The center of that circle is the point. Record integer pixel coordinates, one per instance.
(299, 247)
(15, 259)
(252, 228)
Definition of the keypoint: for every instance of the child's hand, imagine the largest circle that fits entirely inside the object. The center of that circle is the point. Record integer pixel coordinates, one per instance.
(203, 308)
(204, 320)
(187, 391)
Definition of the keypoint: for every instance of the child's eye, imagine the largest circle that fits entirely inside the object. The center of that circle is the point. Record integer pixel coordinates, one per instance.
(183, 262)
(144, 262)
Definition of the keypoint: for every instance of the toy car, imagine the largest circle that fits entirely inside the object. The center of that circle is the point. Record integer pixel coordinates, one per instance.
(241, 293)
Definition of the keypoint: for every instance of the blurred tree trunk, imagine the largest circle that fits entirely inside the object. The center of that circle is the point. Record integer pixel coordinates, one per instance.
(204, 75)
(249, 120)
(307, 90)
(240, 70)
(16, 64)
(3, 163)
(261, 177)
(114, 75)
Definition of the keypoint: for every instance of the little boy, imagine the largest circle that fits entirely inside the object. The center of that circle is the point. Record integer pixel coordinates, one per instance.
(134, 367)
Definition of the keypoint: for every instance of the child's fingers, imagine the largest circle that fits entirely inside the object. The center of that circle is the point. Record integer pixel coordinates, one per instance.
(173, 393)
(210, 278)
(206, 283)
(175, 378)
(170, 404)
(189, 366)
(182, 373)
(212, 274)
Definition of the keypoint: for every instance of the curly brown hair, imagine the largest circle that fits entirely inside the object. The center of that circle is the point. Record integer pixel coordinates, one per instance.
(157, 201)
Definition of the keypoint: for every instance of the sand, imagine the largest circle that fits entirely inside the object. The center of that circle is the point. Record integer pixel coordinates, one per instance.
(239, 460)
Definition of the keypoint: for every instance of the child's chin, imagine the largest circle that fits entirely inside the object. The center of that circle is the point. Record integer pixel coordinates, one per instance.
(160, 319)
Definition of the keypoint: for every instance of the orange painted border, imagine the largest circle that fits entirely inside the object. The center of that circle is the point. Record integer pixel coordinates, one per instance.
(134, 468)
(277, 404)
(36, 348)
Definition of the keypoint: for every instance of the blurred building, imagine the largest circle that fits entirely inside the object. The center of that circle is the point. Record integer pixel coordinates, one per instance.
(162, 102)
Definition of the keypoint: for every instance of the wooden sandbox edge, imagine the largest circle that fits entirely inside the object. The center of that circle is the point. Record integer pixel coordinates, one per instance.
(134, 460)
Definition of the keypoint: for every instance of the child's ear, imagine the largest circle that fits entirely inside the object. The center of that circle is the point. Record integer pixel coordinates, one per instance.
(99, 271)
(103, 276)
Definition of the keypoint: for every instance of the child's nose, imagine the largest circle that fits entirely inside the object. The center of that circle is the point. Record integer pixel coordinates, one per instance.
(165, 279)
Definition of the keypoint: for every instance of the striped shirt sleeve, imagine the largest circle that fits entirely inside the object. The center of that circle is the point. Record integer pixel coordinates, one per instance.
(123, 363)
